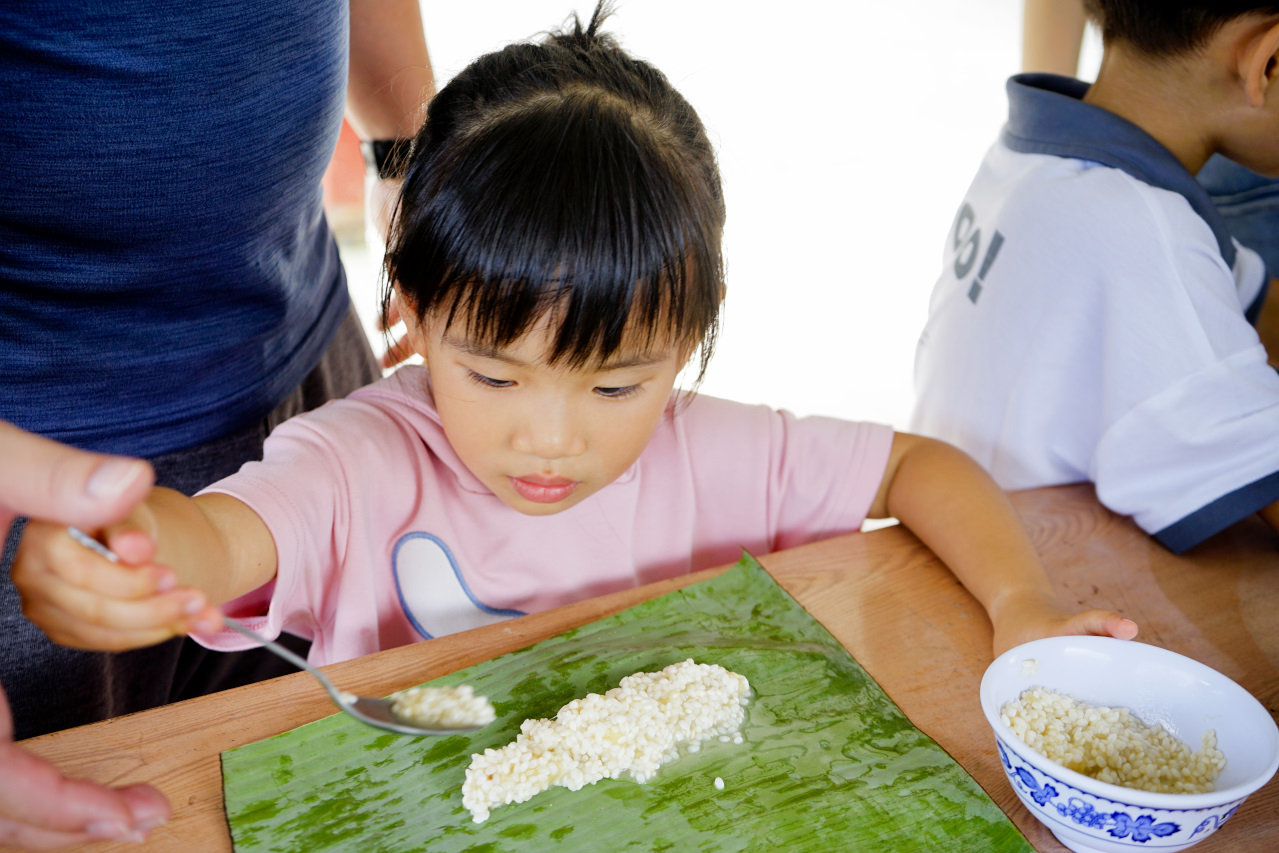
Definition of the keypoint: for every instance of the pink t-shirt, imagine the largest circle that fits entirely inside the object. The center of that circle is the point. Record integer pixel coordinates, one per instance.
(384, 537)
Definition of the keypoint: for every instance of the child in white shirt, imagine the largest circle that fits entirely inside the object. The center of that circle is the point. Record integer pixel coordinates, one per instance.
(1094, 320)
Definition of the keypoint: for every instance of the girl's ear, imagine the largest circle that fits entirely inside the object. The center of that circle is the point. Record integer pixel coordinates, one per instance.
(1260, 65)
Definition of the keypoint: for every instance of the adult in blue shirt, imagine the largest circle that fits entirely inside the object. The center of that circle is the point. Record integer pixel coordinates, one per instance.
(169, 288)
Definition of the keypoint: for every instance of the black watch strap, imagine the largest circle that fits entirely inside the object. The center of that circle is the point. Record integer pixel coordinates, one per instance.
(386, 158)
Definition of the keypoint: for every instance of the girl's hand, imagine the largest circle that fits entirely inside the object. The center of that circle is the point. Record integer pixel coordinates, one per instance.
(1022, 621)
(83, 600)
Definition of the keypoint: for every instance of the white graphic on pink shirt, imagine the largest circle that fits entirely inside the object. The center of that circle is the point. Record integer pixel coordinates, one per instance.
(433, 592)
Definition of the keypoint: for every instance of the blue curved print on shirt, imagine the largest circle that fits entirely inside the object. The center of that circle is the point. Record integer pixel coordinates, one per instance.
(433, 592)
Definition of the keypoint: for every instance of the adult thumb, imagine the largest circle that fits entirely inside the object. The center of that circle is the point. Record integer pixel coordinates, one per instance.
(43, 479)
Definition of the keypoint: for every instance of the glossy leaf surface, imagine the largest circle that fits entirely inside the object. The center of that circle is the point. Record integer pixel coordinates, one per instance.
(828, 763)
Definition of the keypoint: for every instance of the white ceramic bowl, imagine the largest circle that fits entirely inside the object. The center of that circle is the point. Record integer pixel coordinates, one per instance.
(1160, 687)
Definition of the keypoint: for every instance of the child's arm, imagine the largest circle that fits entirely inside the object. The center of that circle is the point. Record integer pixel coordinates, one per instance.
(957, 510)
(1051, 34)
(1268, 323)
(179, 556)
(1270, 514)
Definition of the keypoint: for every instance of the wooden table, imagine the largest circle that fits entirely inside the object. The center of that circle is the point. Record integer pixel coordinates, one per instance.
(882, 594)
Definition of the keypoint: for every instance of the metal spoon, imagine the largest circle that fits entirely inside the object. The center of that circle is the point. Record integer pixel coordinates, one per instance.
(374, 712)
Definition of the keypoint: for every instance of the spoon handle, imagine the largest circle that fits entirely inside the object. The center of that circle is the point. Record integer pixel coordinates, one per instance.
(299, 662)
(373, 712)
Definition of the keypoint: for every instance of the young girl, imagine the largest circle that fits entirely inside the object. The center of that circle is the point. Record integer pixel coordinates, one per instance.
(556, 258)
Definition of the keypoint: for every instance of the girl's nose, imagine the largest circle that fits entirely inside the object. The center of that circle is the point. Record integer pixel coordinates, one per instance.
(550, 432)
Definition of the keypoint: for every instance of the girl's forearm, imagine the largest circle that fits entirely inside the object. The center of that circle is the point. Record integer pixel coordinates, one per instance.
(214, 543)
(955, 508)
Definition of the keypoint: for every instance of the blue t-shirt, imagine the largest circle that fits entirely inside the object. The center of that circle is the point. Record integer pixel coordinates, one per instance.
(166, 271)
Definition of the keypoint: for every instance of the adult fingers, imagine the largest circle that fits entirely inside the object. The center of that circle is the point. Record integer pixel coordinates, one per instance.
(147, 805)
(42, 809)
(23, 836)
(399, 350)
(48, 480)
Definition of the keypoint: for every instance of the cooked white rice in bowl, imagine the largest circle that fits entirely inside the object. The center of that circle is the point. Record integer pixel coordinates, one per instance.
(1112, 744)
(1167, 692)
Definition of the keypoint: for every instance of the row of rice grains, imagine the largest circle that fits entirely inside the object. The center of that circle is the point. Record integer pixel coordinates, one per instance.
(647, 720)
(1111, 744)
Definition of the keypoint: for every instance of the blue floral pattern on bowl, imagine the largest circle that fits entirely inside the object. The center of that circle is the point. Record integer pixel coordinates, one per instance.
(1067, 810)
(1178, 693)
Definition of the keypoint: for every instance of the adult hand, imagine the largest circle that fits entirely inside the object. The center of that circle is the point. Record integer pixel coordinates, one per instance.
(43, 479)
(41, 809)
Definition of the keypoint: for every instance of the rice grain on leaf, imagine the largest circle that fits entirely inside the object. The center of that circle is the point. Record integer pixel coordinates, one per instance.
(830, 762)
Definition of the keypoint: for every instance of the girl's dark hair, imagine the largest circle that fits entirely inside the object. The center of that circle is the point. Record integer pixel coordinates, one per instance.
(566, 177)
(1167, 28)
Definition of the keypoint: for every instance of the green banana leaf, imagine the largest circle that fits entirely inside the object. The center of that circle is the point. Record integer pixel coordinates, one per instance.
(829, 763)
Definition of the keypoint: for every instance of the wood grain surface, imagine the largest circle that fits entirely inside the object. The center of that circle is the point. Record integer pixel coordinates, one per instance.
(900, 613)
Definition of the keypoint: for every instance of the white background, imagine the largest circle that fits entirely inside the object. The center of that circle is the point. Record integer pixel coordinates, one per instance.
(847, 133)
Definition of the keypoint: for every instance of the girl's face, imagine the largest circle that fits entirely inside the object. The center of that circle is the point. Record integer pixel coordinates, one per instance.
(544, 438)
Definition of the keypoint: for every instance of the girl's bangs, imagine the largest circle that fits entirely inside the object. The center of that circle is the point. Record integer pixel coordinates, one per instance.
(569, 210)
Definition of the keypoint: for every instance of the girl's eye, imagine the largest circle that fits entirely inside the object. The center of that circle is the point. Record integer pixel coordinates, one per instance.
(617, 393)
(489, 382)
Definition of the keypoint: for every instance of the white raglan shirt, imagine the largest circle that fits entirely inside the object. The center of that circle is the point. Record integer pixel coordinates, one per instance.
(1092, 323)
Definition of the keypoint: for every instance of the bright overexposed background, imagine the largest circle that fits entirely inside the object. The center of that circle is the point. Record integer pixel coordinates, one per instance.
(847, 133)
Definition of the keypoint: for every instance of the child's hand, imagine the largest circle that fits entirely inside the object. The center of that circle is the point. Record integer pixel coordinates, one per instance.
(1021, 622)
(83, 600)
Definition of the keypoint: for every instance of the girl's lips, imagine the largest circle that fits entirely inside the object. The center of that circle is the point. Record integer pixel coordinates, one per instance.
(543, 490)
